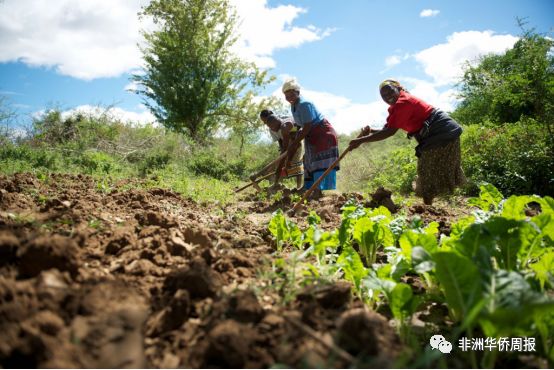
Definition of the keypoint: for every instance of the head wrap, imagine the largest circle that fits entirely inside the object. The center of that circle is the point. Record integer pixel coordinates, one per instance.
(291, 85)
(265, 113)
(272, 119)
(390, 82)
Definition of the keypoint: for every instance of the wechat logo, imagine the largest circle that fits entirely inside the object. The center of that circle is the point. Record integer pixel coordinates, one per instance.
(440, 343)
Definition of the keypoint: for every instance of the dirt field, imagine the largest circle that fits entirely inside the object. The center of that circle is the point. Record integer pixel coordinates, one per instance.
(95, 277)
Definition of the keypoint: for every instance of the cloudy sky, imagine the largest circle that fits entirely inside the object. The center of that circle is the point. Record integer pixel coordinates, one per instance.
(78, 54)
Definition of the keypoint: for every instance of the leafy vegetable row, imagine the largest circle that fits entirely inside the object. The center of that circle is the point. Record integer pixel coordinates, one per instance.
(494, 271)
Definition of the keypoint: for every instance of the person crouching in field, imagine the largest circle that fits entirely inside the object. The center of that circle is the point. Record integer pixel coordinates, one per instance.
(320, 145)
(439, 168)
(284, 131)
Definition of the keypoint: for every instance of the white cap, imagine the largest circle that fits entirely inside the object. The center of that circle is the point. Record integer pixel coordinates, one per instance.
(291, 84)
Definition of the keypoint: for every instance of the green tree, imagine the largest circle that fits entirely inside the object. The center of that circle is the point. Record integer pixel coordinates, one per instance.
(8, 116)
(503, 88)
(192, 82)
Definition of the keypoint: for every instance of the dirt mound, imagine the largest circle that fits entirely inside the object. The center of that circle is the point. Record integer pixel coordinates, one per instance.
(364, 333)
(118, 276)
(382, 197)
(46, 252)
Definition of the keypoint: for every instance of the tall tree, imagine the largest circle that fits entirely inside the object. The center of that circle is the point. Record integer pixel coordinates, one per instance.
(503, 88)
(192, 82)
(7, 115)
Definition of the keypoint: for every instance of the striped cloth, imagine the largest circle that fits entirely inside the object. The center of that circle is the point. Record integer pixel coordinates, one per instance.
(321, 150)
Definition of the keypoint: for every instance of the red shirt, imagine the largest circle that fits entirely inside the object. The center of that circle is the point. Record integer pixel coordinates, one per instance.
(408, 113)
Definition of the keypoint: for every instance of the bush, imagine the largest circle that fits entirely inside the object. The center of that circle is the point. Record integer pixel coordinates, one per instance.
(517, 158)
(372, 164)
(93, 161)
(24, 156)
(15, 152)
(397, 171)
(206, 163)
(153, 161)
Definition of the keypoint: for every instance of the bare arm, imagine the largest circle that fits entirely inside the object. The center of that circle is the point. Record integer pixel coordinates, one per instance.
(301, 135)
(375, 135)
(293, 146)
(285, 131)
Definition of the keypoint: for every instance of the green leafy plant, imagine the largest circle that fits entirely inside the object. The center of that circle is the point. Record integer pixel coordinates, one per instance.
(284, 230)
(493, 271)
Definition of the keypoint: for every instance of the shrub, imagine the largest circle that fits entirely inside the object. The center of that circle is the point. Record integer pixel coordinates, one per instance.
(15, 152)
(153, 161)
(93, 161)
(397, 171)
(517, 158)
(26, 157)
(206, 163)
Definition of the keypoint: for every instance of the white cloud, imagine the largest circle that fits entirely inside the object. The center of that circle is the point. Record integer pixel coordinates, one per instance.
(264, 30)
(443, 98)
(85, 39)
(115, 113)
(131, 87)
(425, 13)
(90, 39)
(392, 60)
(444, 62)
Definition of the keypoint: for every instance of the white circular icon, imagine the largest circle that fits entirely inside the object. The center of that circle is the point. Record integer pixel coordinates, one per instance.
(445, 347)
(439, 342)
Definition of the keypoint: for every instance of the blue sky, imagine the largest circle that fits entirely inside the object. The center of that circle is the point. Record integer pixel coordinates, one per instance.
(78, 54)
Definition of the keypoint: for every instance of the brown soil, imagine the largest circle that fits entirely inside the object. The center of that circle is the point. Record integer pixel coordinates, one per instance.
(145, 278)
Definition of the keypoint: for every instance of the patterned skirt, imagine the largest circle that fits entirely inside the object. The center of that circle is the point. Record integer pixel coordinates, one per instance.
(439, 170)
(321, 149)
(295, 166)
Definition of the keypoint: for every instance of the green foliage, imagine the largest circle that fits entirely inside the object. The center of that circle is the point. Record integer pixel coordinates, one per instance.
(206, 163)
(201, 189)
(460, 281)
(76, 132)
(489, 198)
(373, 164)
(18, 158)
(352, 266)
(544, 269)
(516, 158)
(495, 271)
(192, 83)
(284, 230)
(402, 301)
(8, 117)
(96, 162)
(372, 232)
(398, 171)
(154, 161)
(102, 146)
(503, 88)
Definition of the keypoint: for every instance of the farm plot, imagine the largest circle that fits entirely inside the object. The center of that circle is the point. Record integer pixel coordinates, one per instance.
(98, 275)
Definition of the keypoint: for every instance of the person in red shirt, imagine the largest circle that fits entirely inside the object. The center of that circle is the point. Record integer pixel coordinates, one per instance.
(439, 168)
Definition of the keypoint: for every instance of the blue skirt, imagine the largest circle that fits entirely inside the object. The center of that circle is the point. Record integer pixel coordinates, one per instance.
(328, 183)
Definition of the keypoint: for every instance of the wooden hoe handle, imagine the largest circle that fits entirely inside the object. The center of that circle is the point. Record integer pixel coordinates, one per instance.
(318, 181)
(262, 171)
